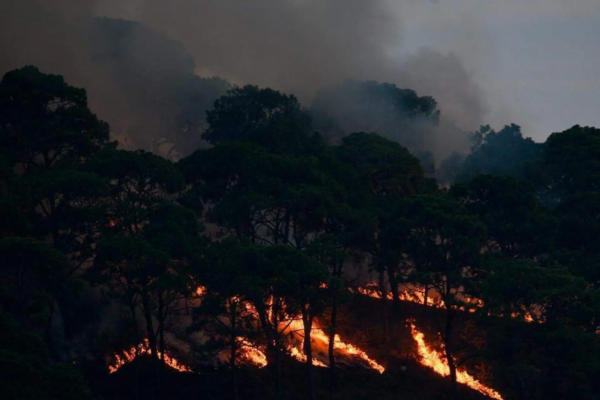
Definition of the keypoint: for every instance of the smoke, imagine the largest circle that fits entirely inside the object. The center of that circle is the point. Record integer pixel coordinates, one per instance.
(296, 46)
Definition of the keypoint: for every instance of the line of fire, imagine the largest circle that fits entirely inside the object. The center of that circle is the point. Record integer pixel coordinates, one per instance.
(291, 326)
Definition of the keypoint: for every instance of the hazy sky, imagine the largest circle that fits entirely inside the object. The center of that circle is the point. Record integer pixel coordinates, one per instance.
(532, 62)
(537, 60)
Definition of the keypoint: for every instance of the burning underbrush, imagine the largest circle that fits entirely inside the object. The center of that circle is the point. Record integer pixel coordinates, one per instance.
(254, 354)
(362, 343)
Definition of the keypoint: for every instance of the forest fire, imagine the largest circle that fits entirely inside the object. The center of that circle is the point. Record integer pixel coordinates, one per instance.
(319, 336)
(417, 295)
(144, 348)
(294, 327)
(437, 362)
(413, 296)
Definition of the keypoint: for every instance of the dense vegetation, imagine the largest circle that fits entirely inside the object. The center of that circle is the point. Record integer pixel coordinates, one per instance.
(102, 247)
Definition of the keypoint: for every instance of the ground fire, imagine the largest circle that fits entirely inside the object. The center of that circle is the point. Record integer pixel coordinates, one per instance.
(143, 348)
(253, 354)
(429, 357)
(437, 362)
(416, 294)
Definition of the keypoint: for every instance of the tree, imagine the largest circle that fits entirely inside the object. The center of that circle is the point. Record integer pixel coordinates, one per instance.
(577, 236)
(505, 152)
(561, 308)
(384, 173)
(443, 244)
(571, 159)
(44, 122)
(517, 223)
(263, 116)
(24, 356)
(146, 242)
(47, 133)
(225, 310)
(355, 106)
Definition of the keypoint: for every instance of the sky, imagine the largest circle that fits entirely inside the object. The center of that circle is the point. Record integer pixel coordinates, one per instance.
(538, 61)
(535, 63)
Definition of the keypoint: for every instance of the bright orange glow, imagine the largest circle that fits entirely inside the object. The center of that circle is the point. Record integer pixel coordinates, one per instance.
(350, 349)
(417, 295)
(437, 362)
(254, 355)
(143, 348)
(321, 339)
(300, 356)
(249, 353)
(294, 327)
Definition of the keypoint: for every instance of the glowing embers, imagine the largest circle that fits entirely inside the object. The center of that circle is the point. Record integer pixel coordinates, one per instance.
(144, 348)
(438, 363)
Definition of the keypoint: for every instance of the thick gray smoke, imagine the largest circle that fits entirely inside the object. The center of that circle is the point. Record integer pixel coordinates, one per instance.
(296, 46)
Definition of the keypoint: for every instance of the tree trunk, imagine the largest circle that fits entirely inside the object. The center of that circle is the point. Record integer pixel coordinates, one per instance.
(448, 346)
(332, 332)
(134, 327)
(425, 294)
(233, 366)
(273, 344)
(452, 367)
(233, 357)
(151, 337)
(161, 342)
(307, 320)
(394, 289)
(161, 328)
(149, 324)
(384, 306)
(395, 300)
(278, 371)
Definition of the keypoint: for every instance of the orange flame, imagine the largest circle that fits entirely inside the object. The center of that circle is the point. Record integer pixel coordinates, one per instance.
(318, 334)
(298, 355)
(418, 296)
(436, 361)
(143, 348)
(294, 326)
(251, 354)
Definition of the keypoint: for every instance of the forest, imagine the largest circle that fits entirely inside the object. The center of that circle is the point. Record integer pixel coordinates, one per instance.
(222, 241)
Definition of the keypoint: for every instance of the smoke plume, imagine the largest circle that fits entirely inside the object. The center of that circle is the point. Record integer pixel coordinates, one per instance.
(296, 46)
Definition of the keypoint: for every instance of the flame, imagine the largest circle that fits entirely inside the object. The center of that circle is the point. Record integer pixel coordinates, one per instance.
(350, 349)
(436, 361)
(417, 295)
(143, 348)
(298, 355)
(413, 296)
(293, 326)
(251, 354)
(318, 335)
